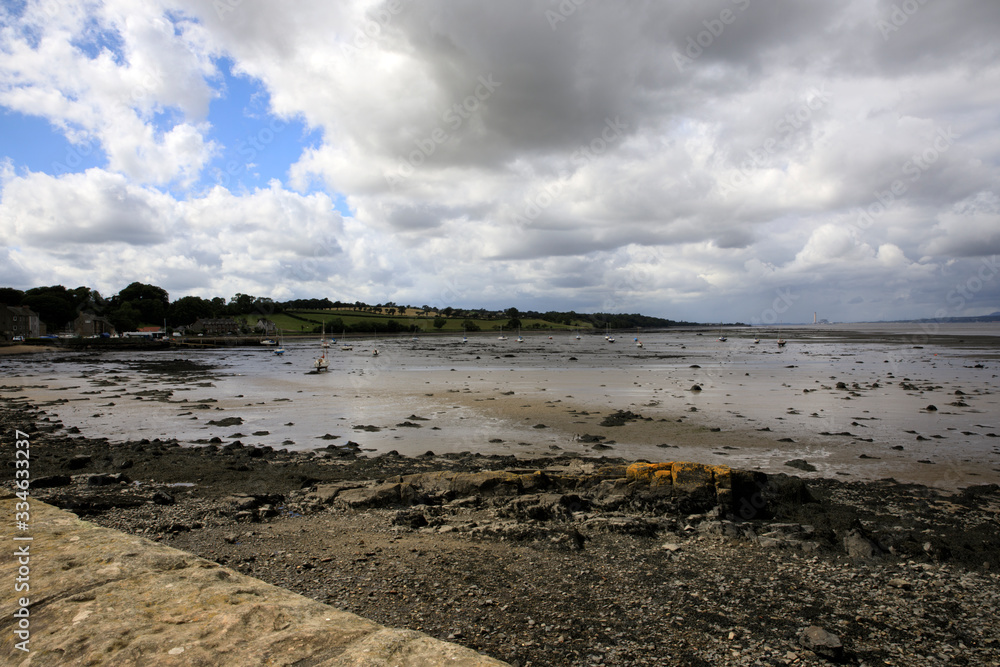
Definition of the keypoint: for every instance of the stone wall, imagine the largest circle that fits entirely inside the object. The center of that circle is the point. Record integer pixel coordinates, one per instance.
(98, 596)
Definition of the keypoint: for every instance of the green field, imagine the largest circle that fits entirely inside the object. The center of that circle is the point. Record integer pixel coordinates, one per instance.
(304, 321)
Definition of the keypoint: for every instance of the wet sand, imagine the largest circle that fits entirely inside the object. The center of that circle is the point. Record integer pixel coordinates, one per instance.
(24, 349)
(852, 404)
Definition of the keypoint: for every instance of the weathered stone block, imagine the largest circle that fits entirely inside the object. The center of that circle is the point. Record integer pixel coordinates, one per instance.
(114, 599)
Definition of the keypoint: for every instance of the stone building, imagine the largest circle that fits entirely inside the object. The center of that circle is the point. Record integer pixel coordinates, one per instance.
(19, 321)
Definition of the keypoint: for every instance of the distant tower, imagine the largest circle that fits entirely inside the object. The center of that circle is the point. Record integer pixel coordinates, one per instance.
(814, 318)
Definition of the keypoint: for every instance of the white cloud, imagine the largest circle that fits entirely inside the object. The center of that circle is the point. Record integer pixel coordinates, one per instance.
(489, 158)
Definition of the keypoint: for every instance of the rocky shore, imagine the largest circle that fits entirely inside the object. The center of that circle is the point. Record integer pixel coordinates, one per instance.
(563, 560)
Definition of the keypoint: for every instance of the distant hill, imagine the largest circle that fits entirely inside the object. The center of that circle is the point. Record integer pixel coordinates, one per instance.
(992, 317)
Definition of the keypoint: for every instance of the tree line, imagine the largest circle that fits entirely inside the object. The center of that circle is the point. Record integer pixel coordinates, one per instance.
(140, 304)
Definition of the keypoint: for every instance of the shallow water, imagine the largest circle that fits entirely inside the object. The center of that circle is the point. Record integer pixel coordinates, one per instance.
(495, 396)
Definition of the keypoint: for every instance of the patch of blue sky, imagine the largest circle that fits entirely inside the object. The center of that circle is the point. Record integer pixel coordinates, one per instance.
(256, 146)
(13, 9)
(32, 143)
(95, 39)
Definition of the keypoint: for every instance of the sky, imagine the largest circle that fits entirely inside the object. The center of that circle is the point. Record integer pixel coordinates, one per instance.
(700, 160)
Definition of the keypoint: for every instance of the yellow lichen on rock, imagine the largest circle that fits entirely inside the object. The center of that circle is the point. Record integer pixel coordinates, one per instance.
(643, 472)
(662, 478)
(691, 476)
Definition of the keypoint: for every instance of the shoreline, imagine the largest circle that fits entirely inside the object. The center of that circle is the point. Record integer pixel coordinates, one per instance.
(25, 349)
(612, 580)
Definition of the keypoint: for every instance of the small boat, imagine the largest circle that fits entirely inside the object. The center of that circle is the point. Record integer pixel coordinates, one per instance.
(756, 340)
(280, 350)
(781, 342)
(345, 348)
(323, 342)
(722, 336)
(520, 338)
(501, 336)
(268, 341)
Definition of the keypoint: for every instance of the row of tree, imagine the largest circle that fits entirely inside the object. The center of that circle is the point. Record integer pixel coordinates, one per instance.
(141, 304)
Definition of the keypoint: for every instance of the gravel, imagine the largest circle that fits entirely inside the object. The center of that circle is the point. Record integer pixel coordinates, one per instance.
(860, 573)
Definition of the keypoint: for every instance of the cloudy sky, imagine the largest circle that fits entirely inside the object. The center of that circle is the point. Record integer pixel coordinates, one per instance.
(696, 159)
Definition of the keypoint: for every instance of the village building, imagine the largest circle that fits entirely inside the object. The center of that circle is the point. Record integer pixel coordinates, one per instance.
(88, 324)
(215, 326)
(19, 322)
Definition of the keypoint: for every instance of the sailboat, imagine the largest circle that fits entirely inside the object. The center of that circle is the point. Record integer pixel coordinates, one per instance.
(607, 334)
(501, 336)
(375, 336)
(323, 342)
(520, 338)
(465, 336)
(722, 336)
(322, 363)
(345, 348)
(280, 350)
(781, 341)
(638, 343)
(266, 340)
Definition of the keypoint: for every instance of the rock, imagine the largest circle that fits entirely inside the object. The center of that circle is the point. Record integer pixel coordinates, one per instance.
(163, 498)
(645, 472)
(822, 643)
(691, 477)
(695, 387)
(620, 418)
(50, 481)
(859, 546)
(78, 461)
(106, 479)
(226, 421)
(380, 495)
(801, 464)
(410, 519)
